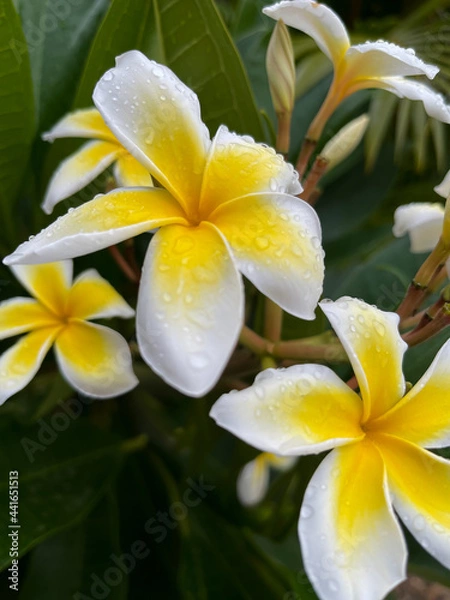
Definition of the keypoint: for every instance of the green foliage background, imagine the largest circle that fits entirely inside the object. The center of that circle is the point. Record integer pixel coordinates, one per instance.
(94, 475)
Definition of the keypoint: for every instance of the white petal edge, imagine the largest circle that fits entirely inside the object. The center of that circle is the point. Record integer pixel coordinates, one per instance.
(377, 570)
(70, 177)
(256, 415)
(119, 378)
(191, 352)
(423, 221)
(433, 102)
(393, 60)
(443, 189)
(317, 21)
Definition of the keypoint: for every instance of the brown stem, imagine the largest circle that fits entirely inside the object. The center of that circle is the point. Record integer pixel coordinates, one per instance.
(317, 171)
(429, 329)
(123, 264)
(306, 151)
(273, 320)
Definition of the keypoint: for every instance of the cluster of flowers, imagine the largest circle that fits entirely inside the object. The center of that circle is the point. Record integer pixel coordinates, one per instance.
(227, 206)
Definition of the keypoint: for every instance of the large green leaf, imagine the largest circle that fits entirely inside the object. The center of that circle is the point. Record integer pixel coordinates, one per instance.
(16, 111)
(64, 467)
(58, 36)
(189, 36)
(83, 560)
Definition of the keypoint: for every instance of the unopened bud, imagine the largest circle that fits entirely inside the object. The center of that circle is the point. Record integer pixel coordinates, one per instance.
(443, 189)
(345, 141)
(281, 69)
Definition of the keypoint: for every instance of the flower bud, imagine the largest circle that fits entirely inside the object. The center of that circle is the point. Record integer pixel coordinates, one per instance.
(443, 189)
(345, 141)
(281, 69)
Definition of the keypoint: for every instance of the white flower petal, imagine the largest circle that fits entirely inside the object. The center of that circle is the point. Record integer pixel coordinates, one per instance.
(352, 545)
(433, 102)
(78, 170)
(95, 360)
(316, 20)
(443, 189)
(304, 409)
(420, 484)
(102, 222)
(276, 240)
(383, 59)
(157, 118)
(423, 221)
(190, 307)
(374, 346)
(253, 481)
(83, 123)
(20, 363)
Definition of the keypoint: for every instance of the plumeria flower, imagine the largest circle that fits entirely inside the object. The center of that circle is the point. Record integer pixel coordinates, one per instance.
(94, 359)
(91, 159)
(370, 65)
(423, 221)
(253, 480)
(226, 206)
(352, 543)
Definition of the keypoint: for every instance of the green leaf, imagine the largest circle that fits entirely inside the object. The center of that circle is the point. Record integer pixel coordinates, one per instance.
(183, 34)
(230, 565)
(381, 114)
(58, 36)
(86, 560)
(64, 468)
(16, 112)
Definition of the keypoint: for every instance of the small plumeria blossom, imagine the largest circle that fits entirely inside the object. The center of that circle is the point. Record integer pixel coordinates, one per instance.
(423, 221)
(82, 167)
(94, 359)
(253, 480)
(351, 541)
(226, 206)
(370, 65)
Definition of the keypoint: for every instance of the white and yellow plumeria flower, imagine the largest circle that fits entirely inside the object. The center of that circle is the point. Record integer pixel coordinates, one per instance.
(253, 480)
(371, 65)
(94, 359)
(82, 167)
(226, 207)
(423, 221)
(352, 544)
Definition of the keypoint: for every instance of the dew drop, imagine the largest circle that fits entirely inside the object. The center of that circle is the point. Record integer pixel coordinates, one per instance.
(199, 360)
(306, 511)
(108, 76)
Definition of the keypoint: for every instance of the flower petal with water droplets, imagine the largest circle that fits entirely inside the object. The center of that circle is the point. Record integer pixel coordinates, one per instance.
(20, 363)
(375, 349)
(352, 544)
(78, 170)
(157, 118)
(238, 166)
(102, 222)
(95, 360)
(423, 415)
(190, 307)
(92, 297)
(84, 123)
(423, 221)
(433, 102)
(49, 283)
(381, 60)
(419, 482)
(304, 409)
(317, 21)
(19, 315)
(276, 240)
